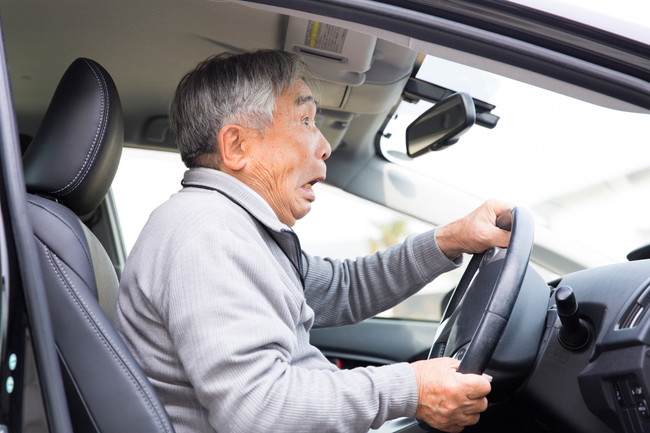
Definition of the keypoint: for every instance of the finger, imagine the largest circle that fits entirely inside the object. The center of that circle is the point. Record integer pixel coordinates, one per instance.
(476, 387)
(472, 419)
(504, 221)
(475, 395)
(476, 406)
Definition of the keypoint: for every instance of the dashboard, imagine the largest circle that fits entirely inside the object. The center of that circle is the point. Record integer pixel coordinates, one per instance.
(602, 385)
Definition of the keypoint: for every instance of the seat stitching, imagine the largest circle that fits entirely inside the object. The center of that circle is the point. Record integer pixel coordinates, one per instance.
(93, 151)
(55, 215)
(56, 265)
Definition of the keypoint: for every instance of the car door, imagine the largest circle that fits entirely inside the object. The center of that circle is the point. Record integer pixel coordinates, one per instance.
(31, 390)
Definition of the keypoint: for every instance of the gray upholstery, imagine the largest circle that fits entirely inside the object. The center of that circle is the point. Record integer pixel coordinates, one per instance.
(69, 167)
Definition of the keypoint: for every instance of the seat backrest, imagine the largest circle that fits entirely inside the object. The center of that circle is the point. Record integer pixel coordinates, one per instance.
(69, 167)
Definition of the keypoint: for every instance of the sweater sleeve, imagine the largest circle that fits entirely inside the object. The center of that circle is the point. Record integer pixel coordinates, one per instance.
(369, 285)
(232, 317)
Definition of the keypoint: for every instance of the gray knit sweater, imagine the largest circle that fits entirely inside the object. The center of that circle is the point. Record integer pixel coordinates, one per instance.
(216, 303)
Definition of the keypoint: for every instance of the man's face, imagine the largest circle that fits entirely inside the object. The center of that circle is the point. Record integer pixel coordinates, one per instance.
(288, 158)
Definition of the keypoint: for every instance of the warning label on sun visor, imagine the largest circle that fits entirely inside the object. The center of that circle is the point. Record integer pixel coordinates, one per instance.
(325, 37)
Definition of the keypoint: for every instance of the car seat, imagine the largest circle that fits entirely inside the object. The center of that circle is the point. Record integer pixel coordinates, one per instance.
(69, 167)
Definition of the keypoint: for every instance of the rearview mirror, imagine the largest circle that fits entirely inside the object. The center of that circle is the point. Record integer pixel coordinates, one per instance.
(441, 125)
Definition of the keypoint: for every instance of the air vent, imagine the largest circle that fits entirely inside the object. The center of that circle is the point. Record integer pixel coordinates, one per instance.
(636, 311)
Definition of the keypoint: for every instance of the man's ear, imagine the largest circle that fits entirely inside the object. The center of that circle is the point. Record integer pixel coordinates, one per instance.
(230, 140)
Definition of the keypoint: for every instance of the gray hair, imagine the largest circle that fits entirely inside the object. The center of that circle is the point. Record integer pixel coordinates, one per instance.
(230, 89)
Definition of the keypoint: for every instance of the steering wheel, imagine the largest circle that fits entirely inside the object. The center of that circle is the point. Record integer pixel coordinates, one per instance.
(479, 309)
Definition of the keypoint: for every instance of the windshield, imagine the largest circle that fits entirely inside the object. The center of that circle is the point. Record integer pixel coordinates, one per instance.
(581, 168)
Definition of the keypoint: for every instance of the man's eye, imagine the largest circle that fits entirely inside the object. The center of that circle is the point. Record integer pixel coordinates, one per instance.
(306, 121)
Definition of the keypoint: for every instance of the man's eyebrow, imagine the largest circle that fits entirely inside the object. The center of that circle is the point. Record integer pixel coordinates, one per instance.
(305, 99)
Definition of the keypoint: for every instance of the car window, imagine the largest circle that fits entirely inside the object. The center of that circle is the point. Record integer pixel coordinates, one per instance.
(144, 180)
(567, 160)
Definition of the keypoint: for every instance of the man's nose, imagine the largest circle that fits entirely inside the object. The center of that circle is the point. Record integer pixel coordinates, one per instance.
(325, 149)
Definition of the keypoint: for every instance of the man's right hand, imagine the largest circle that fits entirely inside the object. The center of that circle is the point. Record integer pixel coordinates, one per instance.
(448, 400)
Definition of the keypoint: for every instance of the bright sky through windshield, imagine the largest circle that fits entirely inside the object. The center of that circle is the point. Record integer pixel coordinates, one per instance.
(630, 18)
(575, 164)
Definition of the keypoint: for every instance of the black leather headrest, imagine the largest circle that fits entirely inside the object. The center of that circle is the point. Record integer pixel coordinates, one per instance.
(75, 153)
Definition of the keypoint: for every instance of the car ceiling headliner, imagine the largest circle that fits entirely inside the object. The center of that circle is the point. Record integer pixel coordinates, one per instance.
(146, 50)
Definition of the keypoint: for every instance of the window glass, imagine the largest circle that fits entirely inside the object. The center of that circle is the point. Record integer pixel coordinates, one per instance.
(581, 168)
(144, 180)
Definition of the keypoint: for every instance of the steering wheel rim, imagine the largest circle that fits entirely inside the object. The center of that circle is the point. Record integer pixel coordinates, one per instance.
(506, 283)
(477, 352)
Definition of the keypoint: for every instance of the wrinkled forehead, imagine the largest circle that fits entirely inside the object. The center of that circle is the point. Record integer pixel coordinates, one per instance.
(299, 94)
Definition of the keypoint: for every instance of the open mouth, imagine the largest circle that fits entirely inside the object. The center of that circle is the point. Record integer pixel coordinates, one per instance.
(310, 184)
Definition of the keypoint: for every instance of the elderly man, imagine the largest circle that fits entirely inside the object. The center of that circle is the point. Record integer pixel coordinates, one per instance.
(217, 298)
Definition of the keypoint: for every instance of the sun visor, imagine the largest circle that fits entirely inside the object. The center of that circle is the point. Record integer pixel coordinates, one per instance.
(337, 54)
